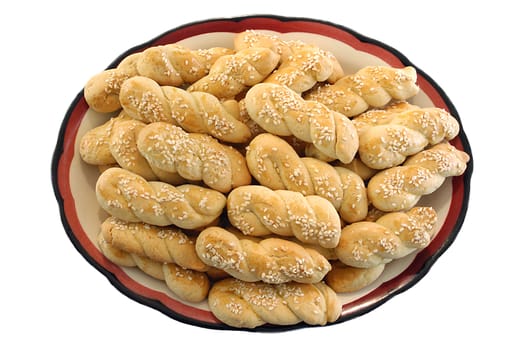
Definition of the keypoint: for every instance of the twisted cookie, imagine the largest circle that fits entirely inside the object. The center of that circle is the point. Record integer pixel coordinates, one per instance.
(195, 157)
(304, 66)
(188, 285)
(161, 244)
(282, 112)
(143, 99)
(270, 260)
(130, 197)
(400, 187)
(167, 64)
(372, 86)
(257, 211)
(347, 279)
(232, 74)
(115, 142)
(394, 235)
(408, 132)
(275, 164)
(251, 304)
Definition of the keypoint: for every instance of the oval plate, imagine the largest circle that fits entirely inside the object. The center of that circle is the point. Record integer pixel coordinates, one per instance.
(74, 181)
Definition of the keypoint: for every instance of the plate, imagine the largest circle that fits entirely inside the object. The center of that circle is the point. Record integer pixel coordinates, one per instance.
(74, 181)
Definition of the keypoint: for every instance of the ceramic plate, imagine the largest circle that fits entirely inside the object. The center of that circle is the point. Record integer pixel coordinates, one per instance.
(74, 181)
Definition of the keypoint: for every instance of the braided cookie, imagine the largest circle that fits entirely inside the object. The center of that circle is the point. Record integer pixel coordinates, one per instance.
(145, 100)
(232, 74)
(167, 64)
(367, 244)
(270, 260)
(115, 142)
(305, 66)
(130, 197)
(409, 132)
(258, 211)
(161, 244)
(275, 164)
(250, 304)
(282, 112)
(195, 157)
(400, 187)
(348, 279)
(252, 38)
(372, 86)
(188, 285)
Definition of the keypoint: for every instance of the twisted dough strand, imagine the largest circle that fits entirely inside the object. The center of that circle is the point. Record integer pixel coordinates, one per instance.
(232, 74)
(394, 235)
(282, 112)
(161, 244)
(195, 157)
(145, 100)
(372, 86)
(188, 285)
(401, 134)
(250, 304)
(400, 187)
(130, 197)
(115, 142)
(301, 65)
(257, 211)
(167, 64)
(270, 260)
(275, 164)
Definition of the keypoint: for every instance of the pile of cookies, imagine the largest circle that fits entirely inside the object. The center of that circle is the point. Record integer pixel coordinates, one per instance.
(264, 179)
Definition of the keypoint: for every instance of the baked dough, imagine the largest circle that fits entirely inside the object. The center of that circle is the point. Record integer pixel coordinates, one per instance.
(275, 164)
(169, 64)
(406, 133)
(257, 211)
(282, 112)
(347, 279)
(145, 100)
(232, 74)
(401, 187)
(194, 156)
(130, 197)
(251, 304)
(161, 244)
(271, 260)
(367, 244)
(371, 86)
(114, 143)
(301, 66)
(188, 285)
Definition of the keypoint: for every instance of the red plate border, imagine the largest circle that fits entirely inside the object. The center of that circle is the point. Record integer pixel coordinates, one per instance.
(64, 152)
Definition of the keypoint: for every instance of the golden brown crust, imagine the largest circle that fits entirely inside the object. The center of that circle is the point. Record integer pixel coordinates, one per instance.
(404, 133)
(167, 64)
(195, 157)
(161, 244)
(275, 164)
(257, 211)
(282, 112)
(252, 304)
(367, 244)
(348, 279)
(186, 284)
(130, 197)
(372, 86)
(232, 74)
(145, 100)
(271, 260)
(304, 66)
(400, 187)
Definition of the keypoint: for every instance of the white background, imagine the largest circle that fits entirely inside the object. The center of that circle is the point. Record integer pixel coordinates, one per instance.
(472, 297)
